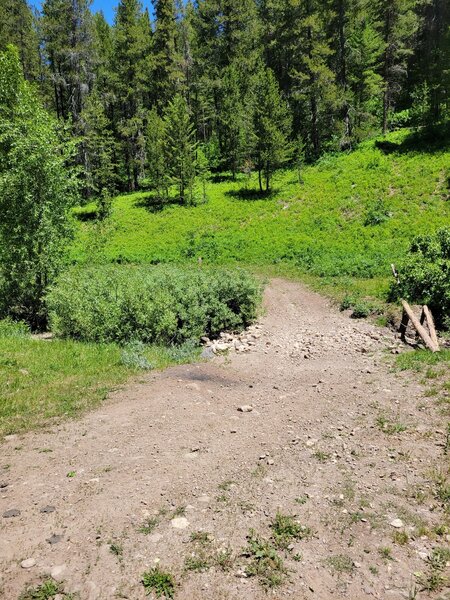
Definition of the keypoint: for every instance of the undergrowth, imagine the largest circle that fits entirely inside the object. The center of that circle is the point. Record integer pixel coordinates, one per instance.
(340, 229)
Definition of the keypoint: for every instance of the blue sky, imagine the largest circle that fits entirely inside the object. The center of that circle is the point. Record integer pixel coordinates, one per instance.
(105, 6)
(108, 7)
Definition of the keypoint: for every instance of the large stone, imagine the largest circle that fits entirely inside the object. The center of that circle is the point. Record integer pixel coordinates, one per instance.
(12, 512)
(58, 572)
(207, 353)
(180, 523)
(397, 523)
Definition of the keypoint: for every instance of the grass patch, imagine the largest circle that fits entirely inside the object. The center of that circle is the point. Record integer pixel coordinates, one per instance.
(149, 525)
(434, 579)
(423, 360)
(116, 549)
(47, 590)
(341, 563)
(161, 583)
(390, 427)
(196, 562)
(264, 561)
(43, 380)
(285, 529)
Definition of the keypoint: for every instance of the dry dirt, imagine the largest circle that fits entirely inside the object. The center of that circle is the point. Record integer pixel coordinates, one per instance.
(175, 445)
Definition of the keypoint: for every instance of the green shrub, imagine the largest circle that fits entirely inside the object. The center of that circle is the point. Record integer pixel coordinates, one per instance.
(361, 310)
(159, 304)
(133, 356)
(14, 329)
(425, 275)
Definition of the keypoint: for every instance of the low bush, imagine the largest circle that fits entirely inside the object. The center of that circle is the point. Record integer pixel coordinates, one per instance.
(425, 275)
(13, 329)
(160, 304)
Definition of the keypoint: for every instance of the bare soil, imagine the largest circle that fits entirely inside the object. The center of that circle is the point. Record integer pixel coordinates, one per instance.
(335, 438)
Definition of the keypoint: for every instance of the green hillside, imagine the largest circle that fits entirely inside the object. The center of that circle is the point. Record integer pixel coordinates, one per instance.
(352, 215)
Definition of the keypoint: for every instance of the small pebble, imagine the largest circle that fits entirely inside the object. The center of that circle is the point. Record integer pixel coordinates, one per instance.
(28, 563)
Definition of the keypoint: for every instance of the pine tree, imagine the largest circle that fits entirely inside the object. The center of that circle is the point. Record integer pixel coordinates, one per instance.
(398, 24)
(180, 148)
(166, 74)
(233, 122)
(430, 64)
(67, 33)
(271, 128)
(17, 27)
(99, 149)
(364, 55)
(156, 163)
(130, 68)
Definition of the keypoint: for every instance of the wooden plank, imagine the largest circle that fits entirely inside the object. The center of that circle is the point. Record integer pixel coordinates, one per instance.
(431, 327)
(420, 329)
(403, 325)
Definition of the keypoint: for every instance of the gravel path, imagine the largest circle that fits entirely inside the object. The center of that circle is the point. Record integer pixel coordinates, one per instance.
(105, 498)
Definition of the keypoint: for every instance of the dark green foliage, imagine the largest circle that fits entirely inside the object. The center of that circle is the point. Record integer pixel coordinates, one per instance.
(179, 148)
(36, 192)
(17, 27)
(425, 275)
(66, 29)
(271, 128)
(166, 305)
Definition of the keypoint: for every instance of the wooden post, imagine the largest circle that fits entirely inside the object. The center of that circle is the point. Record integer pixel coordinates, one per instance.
(403, 325)
(429, 343)
(431, 326)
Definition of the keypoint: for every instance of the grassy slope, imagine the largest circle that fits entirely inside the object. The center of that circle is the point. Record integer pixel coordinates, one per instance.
(315, 230)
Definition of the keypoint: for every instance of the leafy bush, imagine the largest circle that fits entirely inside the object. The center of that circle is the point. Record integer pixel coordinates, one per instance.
(425, 275)
(163, 305)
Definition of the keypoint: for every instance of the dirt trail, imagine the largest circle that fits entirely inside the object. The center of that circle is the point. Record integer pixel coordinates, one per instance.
(175, 445)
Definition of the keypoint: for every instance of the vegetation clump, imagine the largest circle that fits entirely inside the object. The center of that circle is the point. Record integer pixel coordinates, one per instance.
(160, 582)
(265, 563)
(164, 305)
(425, 275)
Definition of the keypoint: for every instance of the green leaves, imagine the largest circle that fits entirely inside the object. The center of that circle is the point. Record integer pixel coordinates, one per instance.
(36, 191)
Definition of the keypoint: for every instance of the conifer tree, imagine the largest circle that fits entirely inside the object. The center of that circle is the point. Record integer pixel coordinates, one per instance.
(167, 72)
(156, 163)
(233, 122)
(99, 149)
(398, 24)
(131, 79)
(17, 27)
(364, 55)
(271, 128)
(66, 28)
(430, 64)
(180, 148)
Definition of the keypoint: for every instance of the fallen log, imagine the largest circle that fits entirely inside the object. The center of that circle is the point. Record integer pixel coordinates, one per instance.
(426, 337)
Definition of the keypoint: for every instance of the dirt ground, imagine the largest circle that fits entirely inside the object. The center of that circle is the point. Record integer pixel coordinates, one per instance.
(334, 437)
